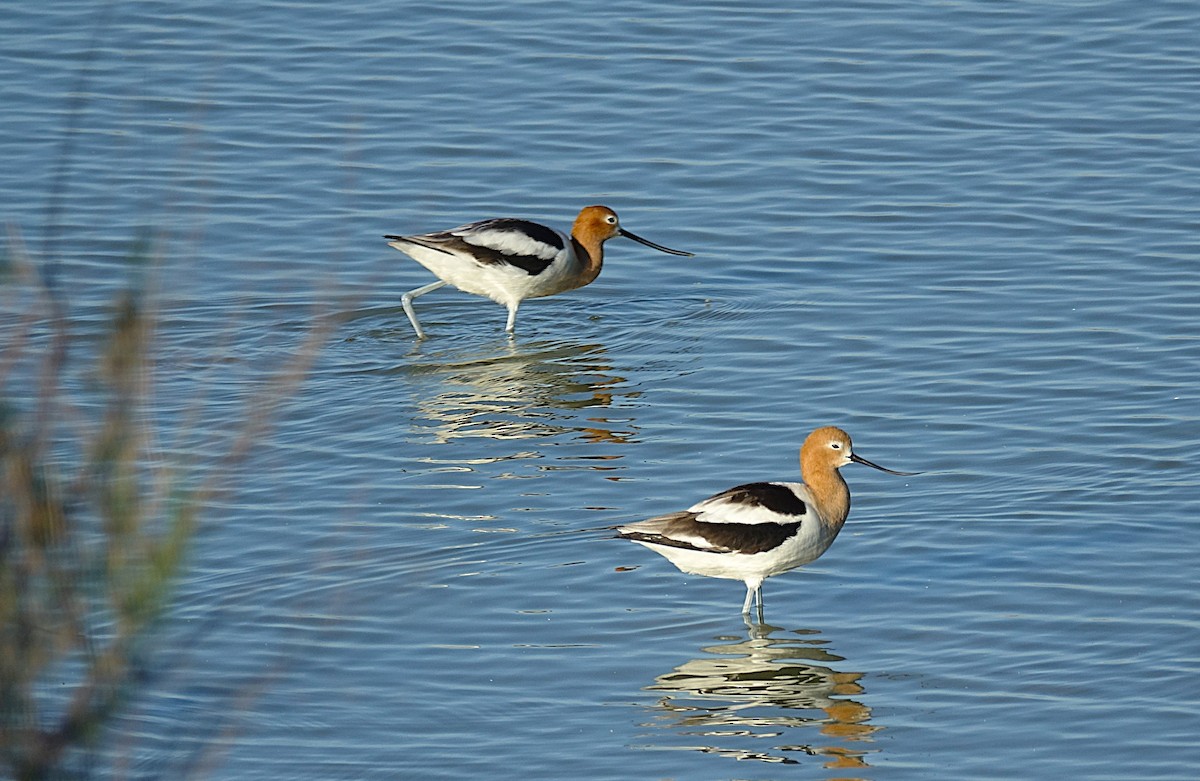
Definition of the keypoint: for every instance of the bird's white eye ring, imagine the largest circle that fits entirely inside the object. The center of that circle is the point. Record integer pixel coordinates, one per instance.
(611, 219)
(836, 445)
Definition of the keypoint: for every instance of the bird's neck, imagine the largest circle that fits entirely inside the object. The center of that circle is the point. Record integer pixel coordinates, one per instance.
(832, 496)
(590, 260)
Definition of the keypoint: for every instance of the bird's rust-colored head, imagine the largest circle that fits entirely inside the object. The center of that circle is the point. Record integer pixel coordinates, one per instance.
(597, 224)
(824, 452)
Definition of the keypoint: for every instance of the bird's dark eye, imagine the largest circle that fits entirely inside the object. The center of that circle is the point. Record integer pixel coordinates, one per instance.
(835, 445)
(611, 220)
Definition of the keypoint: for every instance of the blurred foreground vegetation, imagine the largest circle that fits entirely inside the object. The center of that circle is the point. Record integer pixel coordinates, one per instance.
(95, 522)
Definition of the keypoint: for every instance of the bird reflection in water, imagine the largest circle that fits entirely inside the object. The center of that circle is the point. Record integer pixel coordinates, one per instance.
(763, 689)
(523, 391)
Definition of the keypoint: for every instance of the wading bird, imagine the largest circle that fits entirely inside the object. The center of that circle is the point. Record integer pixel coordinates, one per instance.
(509, 260)
(757, 530)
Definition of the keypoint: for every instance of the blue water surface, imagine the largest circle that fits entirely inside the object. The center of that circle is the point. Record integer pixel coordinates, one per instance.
(967, 232)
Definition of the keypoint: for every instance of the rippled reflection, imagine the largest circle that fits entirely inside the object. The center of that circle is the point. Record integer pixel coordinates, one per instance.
(772, 699)
(520, 391)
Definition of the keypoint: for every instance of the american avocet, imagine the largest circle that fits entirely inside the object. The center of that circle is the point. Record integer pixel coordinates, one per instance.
(757, 530)
(509, 260)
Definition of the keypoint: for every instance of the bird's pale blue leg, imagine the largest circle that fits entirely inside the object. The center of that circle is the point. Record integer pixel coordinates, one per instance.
(512, 316)
(753, 592)
(406, 302)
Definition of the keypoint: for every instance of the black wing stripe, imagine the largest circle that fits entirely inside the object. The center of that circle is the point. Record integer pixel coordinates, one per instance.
(534, 230)
(721, 537)
(771, 496)
(531, 264)
(747, 537)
